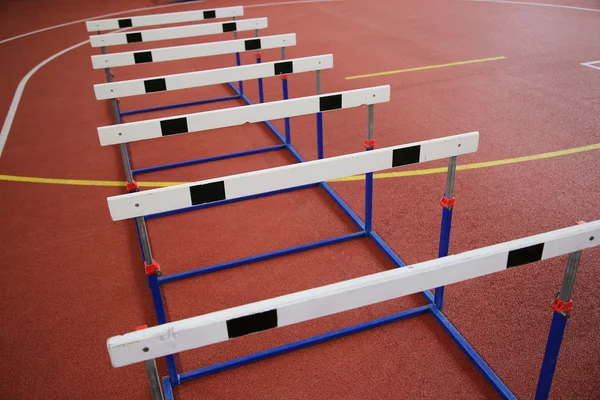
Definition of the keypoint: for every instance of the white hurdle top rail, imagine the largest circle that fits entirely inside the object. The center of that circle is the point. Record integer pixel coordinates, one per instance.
(178, 32)
(268, 180)
(192, 51)
(162, 19)
(227, 117)
(188, 80)
(326, 300)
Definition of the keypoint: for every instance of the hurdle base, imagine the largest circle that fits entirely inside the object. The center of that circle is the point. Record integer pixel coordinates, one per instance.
(177, 105)
(206, 159)
(301, 344)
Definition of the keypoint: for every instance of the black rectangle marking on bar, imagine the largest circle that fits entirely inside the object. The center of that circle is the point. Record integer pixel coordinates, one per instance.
(229, 26)
(208, 193)
(155, 85)
(173, 126)
(284, 67)
(210, 14)
(333, 102)
(252, 44)
(134, 37)
(405, 156)
(142, 57)
(125, 23)
(525, 255)
(251, 323)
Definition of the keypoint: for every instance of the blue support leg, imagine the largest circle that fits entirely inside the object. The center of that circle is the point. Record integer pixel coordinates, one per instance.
(443, 250)
(369, 202)
(161, 316)
(319, 135)
(555, 337)
(261, 95)
(240, 83)
(288, 135)
(448, 204)
(168, 389)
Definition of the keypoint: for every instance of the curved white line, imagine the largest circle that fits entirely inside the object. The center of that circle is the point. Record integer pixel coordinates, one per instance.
(535, 4)
(19, 92)
(91, 18)
(10, 116)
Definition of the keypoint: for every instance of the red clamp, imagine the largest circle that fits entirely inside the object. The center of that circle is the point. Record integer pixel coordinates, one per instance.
(112, 74)
(152, 269)
(132, 187)
(562, 307)
(139, 328)
(369, 144)
(117, 100)
(283, 77)
(447, 203)
(258, 55)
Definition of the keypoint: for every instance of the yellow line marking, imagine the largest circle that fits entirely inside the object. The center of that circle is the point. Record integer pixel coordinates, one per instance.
(399, 71)
(81, 182)
(485, 164)
(384, 175)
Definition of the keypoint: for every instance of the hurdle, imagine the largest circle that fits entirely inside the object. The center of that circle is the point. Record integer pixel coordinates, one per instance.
(205, 78)
(171, 338)
(220, 191)
(113, 91)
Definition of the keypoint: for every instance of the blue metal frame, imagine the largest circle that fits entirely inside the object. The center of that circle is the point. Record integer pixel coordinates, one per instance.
(555, 337)
(435, 301)
(239, 94)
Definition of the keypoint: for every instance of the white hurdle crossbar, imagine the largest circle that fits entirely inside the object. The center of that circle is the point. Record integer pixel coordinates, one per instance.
(227, 117)
(192, 51)
(179, 32)
(326, 300)
(162, 19)
(188, 80)
(268, 180)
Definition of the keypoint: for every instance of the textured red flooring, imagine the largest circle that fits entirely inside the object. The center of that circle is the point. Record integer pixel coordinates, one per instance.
(73, 278)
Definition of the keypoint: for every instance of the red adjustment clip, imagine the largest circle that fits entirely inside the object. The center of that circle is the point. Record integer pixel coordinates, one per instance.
(132, 187)
(139, 328)
(283, 77)
(152, 269)
(562, 307)
(258, 55)
(112, 74)
(117, 100)
(447, 203)
(369, 144)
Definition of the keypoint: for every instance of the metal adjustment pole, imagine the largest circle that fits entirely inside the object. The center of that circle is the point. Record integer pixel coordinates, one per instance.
(284, 84)
(117, 115)
(153, 272)
(319, 121)
(369, 145)
(447, 204)
(261, 94)
(238, 62)
(562, 306)
(154, 380)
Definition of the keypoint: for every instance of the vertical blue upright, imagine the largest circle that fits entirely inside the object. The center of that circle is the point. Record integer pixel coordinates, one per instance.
(447, 204)
(562, 305)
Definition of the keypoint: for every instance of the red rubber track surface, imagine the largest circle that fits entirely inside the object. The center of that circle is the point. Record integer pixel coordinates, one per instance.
(72, 277)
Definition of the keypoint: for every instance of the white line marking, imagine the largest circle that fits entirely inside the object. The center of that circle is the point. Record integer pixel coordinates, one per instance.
(535, 4)
(153, 8)
(10, 116)
(92, 18)
(590, 64)
(21, 87)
